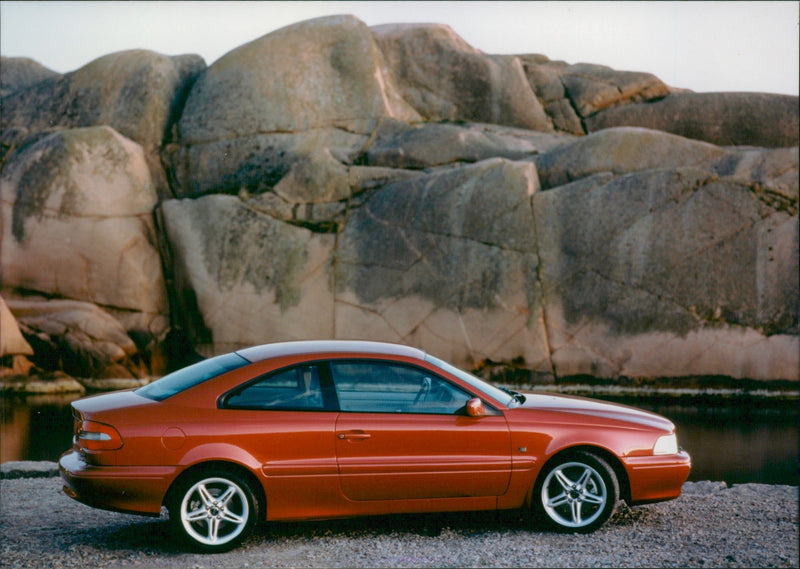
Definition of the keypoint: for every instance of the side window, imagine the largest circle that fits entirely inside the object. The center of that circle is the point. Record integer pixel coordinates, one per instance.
(381, 387)
(293, 388)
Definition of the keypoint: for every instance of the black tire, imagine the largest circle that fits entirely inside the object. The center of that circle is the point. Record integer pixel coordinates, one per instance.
(213, 510)
(577, 492)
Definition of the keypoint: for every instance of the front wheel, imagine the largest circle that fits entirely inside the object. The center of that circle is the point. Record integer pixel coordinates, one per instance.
(213, 512)
(577, 493)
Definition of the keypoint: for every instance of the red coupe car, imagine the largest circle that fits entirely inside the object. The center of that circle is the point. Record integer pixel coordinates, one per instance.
(326, 429)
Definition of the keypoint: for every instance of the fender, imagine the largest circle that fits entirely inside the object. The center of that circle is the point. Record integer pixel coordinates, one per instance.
(569, 436)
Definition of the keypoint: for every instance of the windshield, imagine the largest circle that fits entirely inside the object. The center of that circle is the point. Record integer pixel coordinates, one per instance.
(494, 392)
(190, 376)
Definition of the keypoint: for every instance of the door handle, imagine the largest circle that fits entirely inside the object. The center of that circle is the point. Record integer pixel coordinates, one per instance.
(354, 436)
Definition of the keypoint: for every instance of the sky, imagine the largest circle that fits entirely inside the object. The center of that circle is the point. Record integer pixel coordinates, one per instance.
(702, 46)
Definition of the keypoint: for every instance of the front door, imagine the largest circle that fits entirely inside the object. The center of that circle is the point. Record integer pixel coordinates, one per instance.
(402, 433)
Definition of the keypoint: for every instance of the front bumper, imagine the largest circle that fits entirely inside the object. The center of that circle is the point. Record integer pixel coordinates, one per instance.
(130, 489)
(657, 478)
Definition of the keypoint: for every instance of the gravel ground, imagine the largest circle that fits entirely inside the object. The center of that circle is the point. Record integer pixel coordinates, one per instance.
(710, 525)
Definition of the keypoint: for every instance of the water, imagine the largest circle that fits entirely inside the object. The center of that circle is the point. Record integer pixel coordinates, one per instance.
(737, 444)
(36, 427)
(734, 443)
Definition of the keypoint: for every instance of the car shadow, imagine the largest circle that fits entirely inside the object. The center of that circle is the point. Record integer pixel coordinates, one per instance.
(156, 535)
(142, 535)
(145, 535)
(431, 525)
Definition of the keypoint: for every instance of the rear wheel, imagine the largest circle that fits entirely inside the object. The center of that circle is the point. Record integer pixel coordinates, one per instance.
(213, 510)
(577, 493)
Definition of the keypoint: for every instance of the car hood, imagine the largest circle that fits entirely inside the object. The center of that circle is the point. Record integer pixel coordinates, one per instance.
(601, 410)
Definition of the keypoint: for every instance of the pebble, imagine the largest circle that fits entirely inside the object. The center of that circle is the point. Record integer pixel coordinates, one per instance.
(710, 525)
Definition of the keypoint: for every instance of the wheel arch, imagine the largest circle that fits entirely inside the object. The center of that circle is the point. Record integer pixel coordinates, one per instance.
(606, 455)
(216, 466)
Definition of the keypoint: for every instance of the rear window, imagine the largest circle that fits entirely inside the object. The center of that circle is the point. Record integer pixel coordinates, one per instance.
(187, 377)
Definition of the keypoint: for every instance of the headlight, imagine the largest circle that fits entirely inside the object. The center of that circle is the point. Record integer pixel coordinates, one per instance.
(668, 444)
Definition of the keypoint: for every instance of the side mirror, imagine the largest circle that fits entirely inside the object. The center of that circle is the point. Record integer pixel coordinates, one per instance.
(475, 408)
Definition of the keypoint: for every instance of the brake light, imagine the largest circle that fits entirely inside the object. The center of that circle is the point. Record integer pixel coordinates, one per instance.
(98, 436)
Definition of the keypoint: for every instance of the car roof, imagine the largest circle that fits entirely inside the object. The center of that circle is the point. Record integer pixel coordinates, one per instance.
(279, 349)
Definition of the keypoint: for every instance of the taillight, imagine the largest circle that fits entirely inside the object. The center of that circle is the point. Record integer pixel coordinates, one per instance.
(97, 436)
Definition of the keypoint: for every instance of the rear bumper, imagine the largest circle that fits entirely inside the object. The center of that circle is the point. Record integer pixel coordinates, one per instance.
(657, 478)
(130, 489)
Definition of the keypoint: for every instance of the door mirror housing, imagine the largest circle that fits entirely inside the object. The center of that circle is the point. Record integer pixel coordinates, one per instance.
(475, 408)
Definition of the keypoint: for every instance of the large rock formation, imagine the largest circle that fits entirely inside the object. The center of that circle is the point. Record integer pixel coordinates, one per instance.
(316, 74)
(476, 87)
(14, 349)
(88, 341)
(695, 274)
(247, 274)
(77, 221)
(77, 224)
(449, 261)
(329, 180)
(138, 93)
(572, 93)
(20, 73)
(726, 119)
